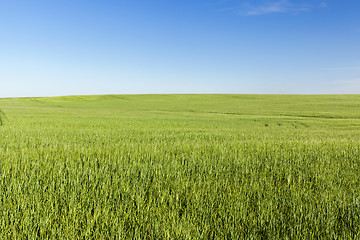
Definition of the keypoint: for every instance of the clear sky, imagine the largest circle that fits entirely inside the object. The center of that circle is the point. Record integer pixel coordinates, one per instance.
(69, 47)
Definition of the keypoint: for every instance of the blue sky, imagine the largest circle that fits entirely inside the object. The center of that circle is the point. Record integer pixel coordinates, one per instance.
(68, 47)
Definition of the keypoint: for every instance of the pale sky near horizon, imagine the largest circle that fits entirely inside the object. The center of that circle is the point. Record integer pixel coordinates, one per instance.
(71, 47)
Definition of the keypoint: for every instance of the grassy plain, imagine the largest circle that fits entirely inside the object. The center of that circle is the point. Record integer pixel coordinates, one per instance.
(181, 167)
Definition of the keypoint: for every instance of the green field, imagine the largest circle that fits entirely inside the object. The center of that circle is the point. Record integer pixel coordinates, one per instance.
(180, 167)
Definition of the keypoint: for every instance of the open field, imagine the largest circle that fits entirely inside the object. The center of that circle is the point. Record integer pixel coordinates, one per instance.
(181, 167)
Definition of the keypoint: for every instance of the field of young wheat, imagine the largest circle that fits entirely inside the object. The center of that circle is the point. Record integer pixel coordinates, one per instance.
(180, 167)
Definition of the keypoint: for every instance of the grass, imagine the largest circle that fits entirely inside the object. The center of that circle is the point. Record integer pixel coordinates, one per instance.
(181, 167)
(2, 117)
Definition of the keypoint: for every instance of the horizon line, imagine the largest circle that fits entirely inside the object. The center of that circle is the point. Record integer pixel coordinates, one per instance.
(130, 94)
